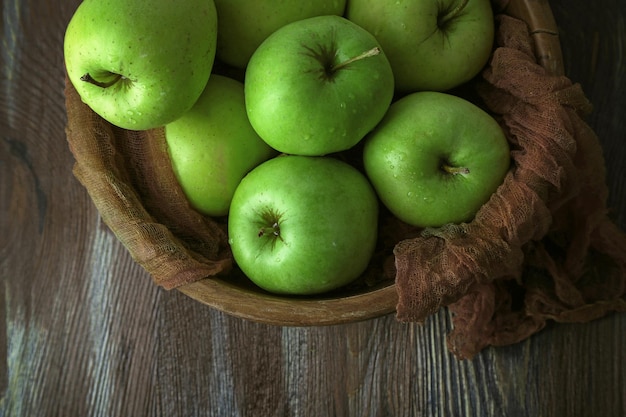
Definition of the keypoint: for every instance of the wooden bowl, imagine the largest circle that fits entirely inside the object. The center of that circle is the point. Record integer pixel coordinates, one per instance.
(242, 299)
(238, 296)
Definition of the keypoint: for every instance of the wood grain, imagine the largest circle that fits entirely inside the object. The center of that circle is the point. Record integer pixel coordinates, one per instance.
(84, 332)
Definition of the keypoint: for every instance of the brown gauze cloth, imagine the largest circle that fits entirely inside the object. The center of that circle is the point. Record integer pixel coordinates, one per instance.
(541, 249)
(129, 177)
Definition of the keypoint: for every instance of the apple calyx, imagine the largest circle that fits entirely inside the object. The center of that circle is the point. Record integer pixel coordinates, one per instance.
(447, 15)
(274, 230)
(88, 78)
(269, 226)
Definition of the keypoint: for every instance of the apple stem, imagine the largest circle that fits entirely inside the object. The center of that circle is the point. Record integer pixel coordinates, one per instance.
(450, 15)
(372, 52)
(88, 78)
(455, 170)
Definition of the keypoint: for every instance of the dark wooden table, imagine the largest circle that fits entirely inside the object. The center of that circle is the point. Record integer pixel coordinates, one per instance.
(84, 332)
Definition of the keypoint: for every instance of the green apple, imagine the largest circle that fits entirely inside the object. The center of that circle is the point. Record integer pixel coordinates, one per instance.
(244, 24)
(212, 146)
(436, 159)
(317, 86)
(140, 64)
(432, 45)
(303, 225)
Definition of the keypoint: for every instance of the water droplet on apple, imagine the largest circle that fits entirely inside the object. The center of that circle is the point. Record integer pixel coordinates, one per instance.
(342, 105)
(409, 194)
(230, 241)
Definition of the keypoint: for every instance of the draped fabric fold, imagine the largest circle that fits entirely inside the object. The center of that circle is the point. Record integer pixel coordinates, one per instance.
(543, 248)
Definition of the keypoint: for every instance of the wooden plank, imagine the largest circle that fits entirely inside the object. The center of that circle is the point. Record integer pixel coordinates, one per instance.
(84, 332)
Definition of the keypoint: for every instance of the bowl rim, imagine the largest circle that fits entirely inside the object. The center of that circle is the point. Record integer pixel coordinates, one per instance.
(262, 307)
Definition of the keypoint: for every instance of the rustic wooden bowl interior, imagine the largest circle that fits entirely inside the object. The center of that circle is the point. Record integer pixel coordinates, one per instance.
(237, 296)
